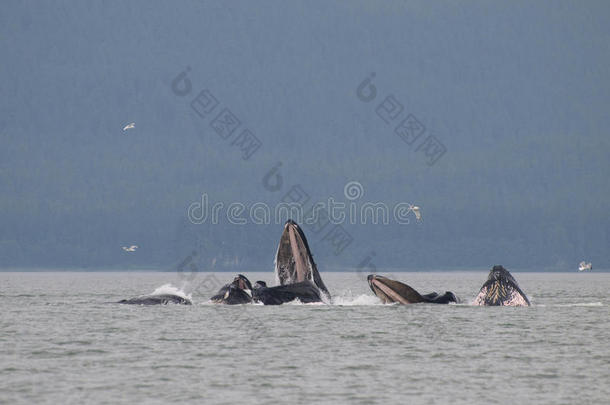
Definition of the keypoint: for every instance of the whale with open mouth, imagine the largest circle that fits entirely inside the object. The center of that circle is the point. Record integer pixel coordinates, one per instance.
(239, 291)
(295, 271)
(501, 289)
(293, 260)
(391, 291)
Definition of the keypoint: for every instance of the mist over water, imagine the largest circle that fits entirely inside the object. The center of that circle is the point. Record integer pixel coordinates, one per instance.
(63, 340)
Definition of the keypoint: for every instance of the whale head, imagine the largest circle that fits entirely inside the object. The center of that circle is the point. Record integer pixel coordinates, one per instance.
(242, 282)
(239, 291)
(390, 291)
(293, 261)
(501, 289)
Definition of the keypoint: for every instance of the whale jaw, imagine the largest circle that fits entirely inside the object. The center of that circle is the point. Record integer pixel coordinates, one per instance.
(501, 289)
(294, 262)
(390, 291)
(239, 291)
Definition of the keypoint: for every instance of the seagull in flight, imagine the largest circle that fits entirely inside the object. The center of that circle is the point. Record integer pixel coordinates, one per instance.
(129, 126)
(131, 248)
(416, 211)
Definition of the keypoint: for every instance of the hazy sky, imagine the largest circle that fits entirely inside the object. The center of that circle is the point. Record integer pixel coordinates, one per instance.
(516, 94)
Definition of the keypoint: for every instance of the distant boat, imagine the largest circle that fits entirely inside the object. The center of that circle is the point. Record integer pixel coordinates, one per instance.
(584, 266)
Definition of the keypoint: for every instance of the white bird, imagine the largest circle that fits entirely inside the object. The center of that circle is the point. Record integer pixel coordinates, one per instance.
(129, 126)
(131, 248)
(416, 211)
(582, 266)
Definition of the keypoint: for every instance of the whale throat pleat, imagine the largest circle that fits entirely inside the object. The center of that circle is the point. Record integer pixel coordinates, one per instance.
(302, 273)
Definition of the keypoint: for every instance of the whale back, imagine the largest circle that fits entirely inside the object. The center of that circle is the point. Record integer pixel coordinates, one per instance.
(304, 291)
(159, 299)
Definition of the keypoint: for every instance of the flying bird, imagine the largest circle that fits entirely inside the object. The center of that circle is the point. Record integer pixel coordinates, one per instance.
(131, 248)
(416, 211)
(129, 126)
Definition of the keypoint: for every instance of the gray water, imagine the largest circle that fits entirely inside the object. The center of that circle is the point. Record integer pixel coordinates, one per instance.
(62, 342)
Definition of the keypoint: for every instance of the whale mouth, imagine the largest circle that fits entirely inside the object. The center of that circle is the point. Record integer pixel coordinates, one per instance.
(293, 261)
(501, 289)
(239, 291)
(240, 281)
(390, 291)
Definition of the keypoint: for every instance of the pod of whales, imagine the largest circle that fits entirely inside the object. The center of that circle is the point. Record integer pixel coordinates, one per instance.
(295, 271)
(234, 293)
(391, 291)
(297, 275)
(501, 288)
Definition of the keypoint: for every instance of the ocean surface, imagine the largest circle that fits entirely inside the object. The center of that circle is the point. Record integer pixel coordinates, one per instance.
(62, 340)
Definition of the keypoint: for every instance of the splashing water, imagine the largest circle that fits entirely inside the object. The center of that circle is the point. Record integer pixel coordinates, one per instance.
(348, 299)
(170, 289)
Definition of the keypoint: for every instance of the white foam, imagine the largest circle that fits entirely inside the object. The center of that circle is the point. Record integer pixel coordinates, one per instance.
(170, 289)
(297, 301)
(349, 300)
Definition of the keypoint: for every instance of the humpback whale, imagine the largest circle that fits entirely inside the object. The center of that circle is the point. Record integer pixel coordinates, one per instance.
(304, 291)
(159, 299)
(239, 291)
(501, 289)
(293, 260)
(390, 291)
(295, 271)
